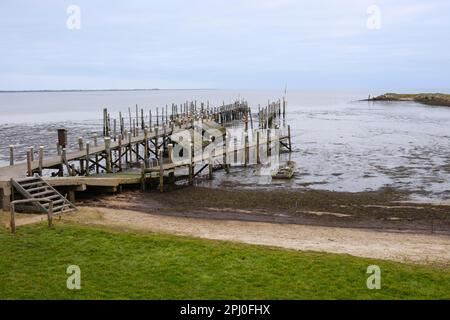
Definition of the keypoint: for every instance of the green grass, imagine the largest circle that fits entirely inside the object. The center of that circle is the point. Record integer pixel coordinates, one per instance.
(117, 265)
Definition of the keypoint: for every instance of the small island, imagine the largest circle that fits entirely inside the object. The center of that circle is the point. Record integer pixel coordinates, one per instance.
(435, 99)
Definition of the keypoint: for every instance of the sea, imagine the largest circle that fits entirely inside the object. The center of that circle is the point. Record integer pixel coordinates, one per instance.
(340, 143)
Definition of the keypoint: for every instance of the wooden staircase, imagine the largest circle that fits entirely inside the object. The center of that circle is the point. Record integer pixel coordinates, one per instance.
(36, 187)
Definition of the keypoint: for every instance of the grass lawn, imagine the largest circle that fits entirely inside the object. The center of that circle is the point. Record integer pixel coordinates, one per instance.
(116, 265)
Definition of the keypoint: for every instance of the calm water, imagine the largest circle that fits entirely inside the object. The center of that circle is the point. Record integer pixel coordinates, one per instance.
(339, 144)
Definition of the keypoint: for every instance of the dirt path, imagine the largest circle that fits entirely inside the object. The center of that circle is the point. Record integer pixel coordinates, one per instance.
(418, 248)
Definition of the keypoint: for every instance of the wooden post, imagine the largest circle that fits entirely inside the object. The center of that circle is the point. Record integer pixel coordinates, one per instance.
(142, 119)
(157, 116)
(120, 153)
(191, 165)
(258, 160)
(150, 120)
(161, 171)
(156, 142)
(41, 159)
(50, 214)
(29, 173)
(246, 151)
(32, 153)
(129, 115)
(63, 161)
(80, 146)
(114, 129)
(289, 138)
(130, 160)
(11, 155)
(268, 142)
(13, 218)
(225, 153)
(108, 154)
(170, 152)
(146, 153)
(210, 165)
(87, 159)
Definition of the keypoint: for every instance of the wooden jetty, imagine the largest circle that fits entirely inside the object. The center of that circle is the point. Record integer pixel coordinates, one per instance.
(145, 145)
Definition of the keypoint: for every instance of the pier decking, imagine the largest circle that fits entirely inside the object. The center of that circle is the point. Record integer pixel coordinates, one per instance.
(151, 148)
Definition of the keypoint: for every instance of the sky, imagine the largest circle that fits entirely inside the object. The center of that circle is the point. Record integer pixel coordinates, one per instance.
(225, 44)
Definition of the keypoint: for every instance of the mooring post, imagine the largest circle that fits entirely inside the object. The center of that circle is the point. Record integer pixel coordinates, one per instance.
(108, 154)
(41, 159)
(268, 142)
(80, 143)
(29, 173)
(87, 159)
(11, 155)
(161, 171)
(32, 153)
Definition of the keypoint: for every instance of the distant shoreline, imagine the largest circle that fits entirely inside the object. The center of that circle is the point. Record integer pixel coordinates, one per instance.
(100, 90)
(433, 99)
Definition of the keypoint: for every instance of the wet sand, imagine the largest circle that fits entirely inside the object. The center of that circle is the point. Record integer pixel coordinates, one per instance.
(383, 210)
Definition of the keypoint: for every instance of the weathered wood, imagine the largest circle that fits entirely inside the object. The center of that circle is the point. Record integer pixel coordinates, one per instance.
(41, 159)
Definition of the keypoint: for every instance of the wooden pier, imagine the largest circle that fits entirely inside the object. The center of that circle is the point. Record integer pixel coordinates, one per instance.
(140, 149)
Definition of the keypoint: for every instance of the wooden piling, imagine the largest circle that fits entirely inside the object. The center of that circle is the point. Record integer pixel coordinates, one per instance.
(41, 159)
(161, 171)
(29, 172)
(11, 155)
(87, 159)
(13, 218)
(258, 160)
(108, 154)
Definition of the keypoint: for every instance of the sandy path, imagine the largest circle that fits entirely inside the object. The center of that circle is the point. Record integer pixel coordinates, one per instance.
(402, 247)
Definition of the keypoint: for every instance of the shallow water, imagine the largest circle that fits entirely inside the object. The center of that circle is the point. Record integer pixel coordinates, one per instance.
(339, 144)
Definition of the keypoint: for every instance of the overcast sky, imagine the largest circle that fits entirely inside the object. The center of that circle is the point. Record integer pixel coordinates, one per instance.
(236, 44)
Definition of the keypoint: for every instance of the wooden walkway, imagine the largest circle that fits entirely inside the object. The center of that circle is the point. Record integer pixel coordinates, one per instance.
(151, 150)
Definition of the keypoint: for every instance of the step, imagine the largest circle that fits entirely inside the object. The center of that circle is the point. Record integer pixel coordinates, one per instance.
(37, 189)
(30, 179)
(42, 193)
(60, 208)
(26, 185)
(55, 202)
